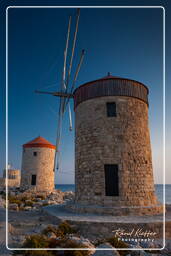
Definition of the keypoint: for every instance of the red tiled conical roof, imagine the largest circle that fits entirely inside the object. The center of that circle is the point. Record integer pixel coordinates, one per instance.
(39, 142)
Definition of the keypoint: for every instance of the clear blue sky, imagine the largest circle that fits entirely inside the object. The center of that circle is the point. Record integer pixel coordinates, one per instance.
(126, 42)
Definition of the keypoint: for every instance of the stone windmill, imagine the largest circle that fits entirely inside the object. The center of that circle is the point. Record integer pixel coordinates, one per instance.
(113, 162)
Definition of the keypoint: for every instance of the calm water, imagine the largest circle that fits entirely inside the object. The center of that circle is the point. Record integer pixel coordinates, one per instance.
(158, 188)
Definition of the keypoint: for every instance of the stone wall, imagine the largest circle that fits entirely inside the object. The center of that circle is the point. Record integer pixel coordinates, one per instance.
(40, 165)
(123, 140)
(12, 183)
(12, 174)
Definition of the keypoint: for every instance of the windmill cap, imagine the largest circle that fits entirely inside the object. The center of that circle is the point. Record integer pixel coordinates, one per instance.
(39, 142)
(110, 86)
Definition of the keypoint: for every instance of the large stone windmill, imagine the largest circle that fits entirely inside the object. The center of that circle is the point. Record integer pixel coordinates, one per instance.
(113, 163)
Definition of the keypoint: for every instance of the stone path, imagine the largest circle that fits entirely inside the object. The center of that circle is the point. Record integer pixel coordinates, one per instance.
(60, 212)
(3, 250)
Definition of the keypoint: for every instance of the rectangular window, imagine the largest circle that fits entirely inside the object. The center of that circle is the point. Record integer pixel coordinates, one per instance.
(111, 109)
(34, 153)
(111, 180)
(33, 180)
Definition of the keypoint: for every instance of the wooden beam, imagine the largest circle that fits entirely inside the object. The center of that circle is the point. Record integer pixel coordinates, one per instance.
(57, 94)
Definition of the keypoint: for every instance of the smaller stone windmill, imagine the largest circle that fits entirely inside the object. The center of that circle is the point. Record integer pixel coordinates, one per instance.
(37, 165)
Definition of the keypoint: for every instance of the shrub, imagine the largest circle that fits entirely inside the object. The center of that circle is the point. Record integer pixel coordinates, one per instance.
(37, 253)
(73, 244)
(24, 198)
(3, 194)
(45, 204)
(43, 197)
(52, 229)
(63, 229)
(67, 243)
(29, 203)
(116, 243)
(35, 241)
(21, 208)
(66, 228)
(33, 253)
(14, 200)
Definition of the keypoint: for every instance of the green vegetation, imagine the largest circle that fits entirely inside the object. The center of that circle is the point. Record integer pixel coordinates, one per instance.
(36, 241)
(3, 194)
(14, 200)
(66, 228)
(116, 243)
(51, 229)
(21, 201)
(62, 230)
(61, 241)
(29, 203)
(43, 197)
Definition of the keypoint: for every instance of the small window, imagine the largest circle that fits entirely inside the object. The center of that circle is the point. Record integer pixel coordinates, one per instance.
(34, 153)
(111, 109)
(33, 180)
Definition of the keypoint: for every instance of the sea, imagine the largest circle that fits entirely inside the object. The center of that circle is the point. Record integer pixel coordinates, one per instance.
(158, 189)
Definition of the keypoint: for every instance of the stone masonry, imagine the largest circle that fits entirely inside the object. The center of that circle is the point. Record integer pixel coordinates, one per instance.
(13, 179)
(40, 165)
(123, 140)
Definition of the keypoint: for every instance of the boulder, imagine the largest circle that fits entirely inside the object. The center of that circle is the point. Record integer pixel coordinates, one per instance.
(108, 252)
(81, 241)
(27, 208)
(13, 207)
(2, 202)
(68, 195)
(37, 204)
(51, 235)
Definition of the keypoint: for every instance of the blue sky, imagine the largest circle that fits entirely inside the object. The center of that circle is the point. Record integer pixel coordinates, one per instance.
(126, 42)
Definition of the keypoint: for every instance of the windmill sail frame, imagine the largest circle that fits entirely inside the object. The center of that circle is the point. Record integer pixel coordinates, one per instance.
(65, 92)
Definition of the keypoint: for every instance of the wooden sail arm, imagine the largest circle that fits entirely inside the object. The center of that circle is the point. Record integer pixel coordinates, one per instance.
(57, 94)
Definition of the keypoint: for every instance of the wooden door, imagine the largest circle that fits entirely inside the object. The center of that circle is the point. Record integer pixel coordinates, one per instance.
(111, 180)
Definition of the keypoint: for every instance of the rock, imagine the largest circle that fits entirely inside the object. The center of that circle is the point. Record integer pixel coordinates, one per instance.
(168, 245)
(28, 201)
(2, 202)
(11, 229)
(150, 245)
(51, 235)
(34, 208)
(12, 193)
(38, 200)
(48, 202)
(19, 239)
(37, 204)
(81, 241)
(111, 252)
(68, 195)
(13, 207)
(139, 253)
(27, 208)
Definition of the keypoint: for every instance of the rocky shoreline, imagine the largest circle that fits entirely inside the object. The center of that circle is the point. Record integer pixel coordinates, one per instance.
(30, 226)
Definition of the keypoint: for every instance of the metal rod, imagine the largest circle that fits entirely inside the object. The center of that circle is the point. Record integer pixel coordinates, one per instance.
(73, 48)
(75, 77)
(65, 55)
(72, 56)
(63, 87)
(57, 94)
(70, 117)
